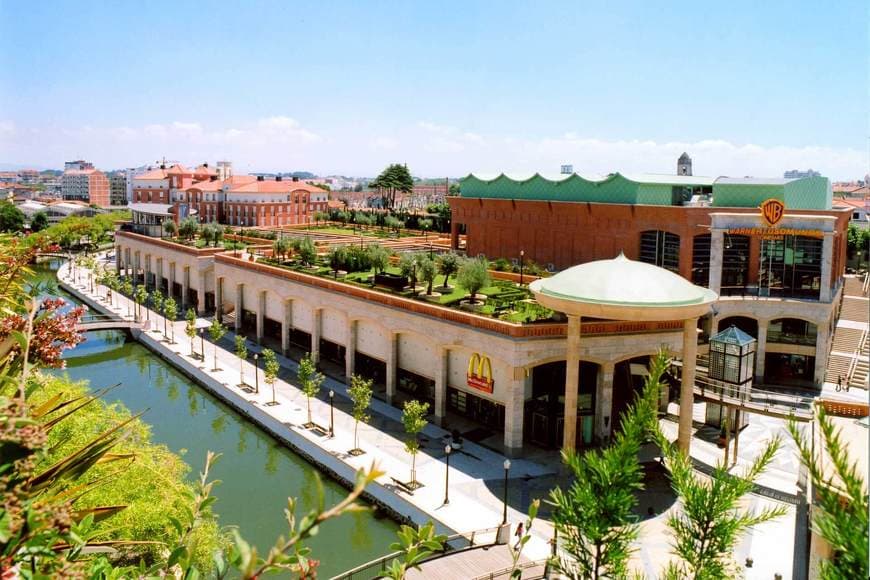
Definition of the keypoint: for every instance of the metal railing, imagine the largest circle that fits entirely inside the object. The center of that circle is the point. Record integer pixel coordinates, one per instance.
(508, 571)
(454, 543)
(791, 338)
(755, 399)
(866, 285)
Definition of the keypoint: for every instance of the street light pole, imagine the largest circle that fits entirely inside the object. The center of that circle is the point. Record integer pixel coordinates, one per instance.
(447, 449)
(507, 466)
(522, 254)
(257, 373)
(331, 414)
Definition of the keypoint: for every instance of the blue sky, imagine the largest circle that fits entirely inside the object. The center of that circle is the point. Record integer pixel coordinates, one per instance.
(448, 87)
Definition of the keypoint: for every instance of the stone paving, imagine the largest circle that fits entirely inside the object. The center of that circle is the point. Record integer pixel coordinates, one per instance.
(476, 473)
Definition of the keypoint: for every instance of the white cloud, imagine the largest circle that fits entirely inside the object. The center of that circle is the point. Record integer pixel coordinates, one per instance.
(282, 142)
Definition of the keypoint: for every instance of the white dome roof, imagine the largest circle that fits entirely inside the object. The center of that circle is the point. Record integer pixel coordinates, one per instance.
(621, 281)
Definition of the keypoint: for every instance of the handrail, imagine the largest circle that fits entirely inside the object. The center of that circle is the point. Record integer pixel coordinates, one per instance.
(853, 364)
(380, 564)
(506, 571)
(866, 285)
(787, 404)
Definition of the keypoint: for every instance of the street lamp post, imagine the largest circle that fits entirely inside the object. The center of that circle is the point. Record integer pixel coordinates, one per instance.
(507, 466)
(257, 373)
(331, 413)
(447, 449)
(522, 254)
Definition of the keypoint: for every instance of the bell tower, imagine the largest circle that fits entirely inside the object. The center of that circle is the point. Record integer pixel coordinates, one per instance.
(684, 164)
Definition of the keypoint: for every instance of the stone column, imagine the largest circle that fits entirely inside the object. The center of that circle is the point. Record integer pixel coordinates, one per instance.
(219, 298)
(514, 412)
(441, 378)
(350, 351)
(200, 293)
(827, 266)
(717, 249)
(170, 290)
(572, 382)
(147, 280)
(185, 286)
(316, 318)
(118, 251)
(261, 315)
(604, 397)
(159, 281)
(760, 349)
(286, 325)
(127, 262)
(687, 388)
(240, 302)
(392, 366)
(136, 265)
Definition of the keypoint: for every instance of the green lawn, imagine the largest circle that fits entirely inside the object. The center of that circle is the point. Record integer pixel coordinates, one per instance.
(370, 232)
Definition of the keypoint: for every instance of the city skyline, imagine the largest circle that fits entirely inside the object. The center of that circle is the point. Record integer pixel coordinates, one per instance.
(448, 91)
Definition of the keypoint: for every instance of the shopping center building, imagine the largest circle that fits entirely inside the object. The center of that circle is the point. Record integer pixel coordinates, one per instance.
(504, 383)
(779, 275)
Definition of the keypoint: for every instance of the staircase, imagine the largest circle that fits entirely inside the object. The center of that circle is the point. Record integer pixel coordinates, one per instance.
(849, 360)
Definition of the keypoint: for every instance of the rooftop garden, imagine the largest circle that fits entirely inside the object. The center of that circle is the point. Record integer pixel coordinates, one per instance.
(446, 279)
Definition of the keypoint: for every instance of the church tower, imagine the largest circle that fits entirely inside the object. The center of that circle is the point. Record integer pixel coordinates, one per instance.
(684, 164)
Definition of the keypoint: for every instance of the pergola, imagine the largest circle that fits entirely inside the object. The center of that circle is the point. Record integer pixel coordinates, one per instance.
(623, 289)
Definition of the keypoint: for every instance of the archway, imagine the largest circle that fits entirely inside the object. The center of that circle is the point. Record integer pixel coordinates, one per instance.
(744, 323)
(545, 411)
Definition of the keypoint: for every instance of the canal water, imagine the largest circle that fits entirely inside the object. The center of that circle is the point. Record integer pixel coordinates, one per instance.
(256, 473)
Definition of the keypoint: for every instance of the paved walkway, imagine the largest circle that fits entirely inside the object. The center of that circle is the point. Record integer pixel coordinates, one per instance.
(476, 473)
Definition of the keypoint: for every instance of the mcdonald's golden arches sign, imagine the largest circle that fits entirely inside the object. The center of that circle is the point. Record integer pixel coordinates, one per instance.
(480, 373)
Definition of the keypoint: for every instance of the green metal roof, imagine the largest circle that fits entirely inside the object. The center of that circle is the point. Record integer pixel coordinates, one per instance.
(803, 193)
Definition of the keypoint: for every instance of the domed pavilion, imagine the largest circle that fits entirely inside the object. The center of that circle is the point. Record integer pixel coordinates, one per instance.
(625, 290)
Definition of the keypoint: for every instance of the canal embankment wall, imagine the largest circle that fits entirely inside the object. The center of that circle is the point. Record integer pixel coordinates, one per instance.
(392, 504)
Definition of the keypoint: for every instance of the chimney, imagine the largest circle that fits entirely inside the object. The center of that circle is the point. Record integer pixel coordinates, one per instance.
(205, 164)
(279, 178)
(213, 178)
(295, 178)
(260, 178)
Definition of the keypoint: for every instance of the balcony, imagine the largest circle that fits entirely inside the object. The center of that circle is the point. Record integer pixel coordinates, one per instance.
(791, 338)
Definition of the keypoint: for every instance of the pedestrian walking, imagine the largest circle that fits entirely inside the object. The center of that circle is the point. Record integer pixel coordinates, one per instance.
(519, 535)
(839, 383)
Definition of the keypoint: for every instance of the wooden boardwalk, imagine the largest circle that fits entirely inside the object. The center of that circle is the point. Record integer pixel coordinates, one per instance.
(469, 564)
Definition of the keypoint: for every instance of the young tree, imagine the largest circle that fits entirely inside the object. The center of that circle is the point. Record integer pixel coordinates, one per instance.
(840, 493)
(11, 218)
(473, 276)
(408, 268)
(270, 370)
(425, 225)
(310, 380)
(216, 332)
(242, 353)
(141, 296)
(170, 312)
(448, 264)
(428, 270)
(170, 227)
(190, 327)
(39, 221)
(414, 420)
(206, 232)
(188, 228)
(594, 517)
(307, 251)
(379, 256)
(281, 247)
(337, 258)
(157, 303)
(217, 233)
(127, 290)
(360, 392)
(709, 525)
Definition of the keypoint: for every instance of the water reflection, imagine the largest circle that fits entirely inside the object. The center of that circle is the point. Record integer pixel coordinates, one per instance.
(255, 480)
